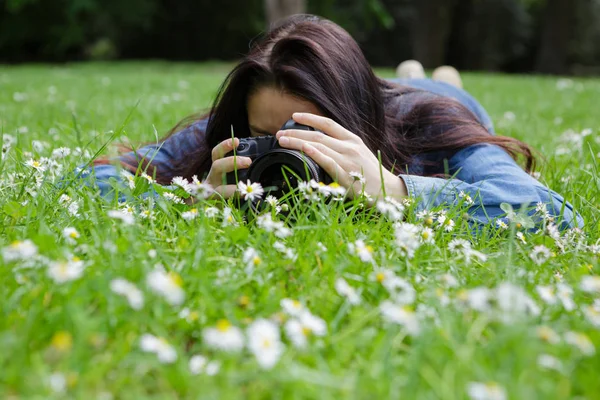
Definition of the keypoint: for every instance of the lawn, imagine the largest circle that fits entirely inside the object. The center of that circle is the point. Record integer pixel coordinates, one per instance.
(153, 299)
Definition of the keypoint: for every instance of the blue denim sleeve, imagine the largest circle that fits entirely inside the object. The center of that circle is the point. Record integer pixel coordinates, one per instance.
(490, 176)
(162, 155)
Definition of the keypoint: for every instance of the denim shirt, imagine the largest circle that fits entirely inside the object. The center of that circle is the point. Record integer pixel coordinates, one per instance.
(485, 172)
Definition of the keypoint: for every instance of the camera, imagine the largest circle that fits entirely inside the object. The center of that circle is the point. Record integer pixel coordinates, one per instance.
(277, 169)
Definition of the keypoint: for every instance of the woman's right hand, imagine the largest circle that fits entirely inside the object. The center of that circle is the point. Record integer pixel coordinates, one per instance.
(222, 165)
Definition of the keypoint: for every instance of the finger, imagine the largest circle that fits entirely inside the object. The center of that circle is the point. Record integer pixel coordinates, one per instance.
(229, 164)
(298, 144)
(314, 136)
(223, 192)
(323, 124)
(223, 148)
(328, 163)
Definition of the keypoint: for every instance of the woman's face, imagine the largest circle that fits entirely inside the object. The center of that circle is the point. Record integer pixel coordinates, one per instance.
(269, 108)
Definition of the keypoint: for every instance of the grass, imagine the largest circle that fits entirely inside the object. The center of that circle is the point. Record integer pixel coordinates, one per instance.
(80, 339)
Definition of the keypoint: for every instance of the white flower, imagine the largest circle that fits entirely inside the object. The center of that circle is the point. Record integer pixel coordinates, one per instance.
(251, 259)
(513, 300)
(224, 336)
(549, 362)
(347, 291)
(147, 177)
(565, 293)
(266, 222)
(134, 296)
(592, 313)
(73, 209)
(190, 214)
(479, 299)
(172, 197)
(468, 199)
(292, 307)
(547, 294)
(168, 285)
(128, 177)
(364, 252)
(540, 254)
(65, 271)
(298, 330)
(199, 364)
(501, 224)
(182, 183)
(70, 234)
(265, 343)
(250, 191)
(201, 189)
(581, 341)
(357, 176)
(521, 237)
(19, 250)
(126, 218)
(61, 152)
(35, 164)
(401, 315)
(211, 212)
(547, 334)
(486, 391)
(391, 208)
(57, 382)
(164, 351)
(590, 284)
(408, 238)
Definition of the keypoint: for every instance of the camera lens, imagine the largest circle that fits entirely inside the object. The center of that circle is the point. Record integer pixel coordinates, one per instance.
(279, 171)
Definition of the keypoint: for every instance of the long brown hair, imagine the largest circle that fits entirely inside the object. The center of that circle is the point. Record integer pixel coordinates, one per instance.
(318, 61)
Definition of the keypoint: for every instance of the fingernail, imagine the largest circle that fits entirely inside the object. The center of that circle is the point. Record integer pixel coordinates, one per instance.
(278, 134)
(284, 140)
(297, 114)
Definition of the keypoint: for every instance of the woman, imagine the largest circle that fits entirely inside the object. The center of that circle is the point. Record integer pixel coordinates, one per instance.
(312, 70)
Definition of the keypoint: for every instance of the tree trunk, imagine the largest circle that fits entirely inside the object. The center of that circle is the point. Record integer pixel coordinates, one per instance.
(431, 31)
(278, 9)
(556, 32)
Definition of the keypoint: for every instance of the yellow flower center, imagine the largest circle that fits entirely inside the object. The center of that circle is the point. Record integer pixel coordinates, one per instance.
(296, 304)
(74, 235)
(36, 164)
(175, 278)
(249, 189)
(369, 248)
(334, 185)
(244, 301)
(380, 277)
(62, 341)
(267, 343)
(425, 235)
(256, 260)
(429, 221)
(306, 331)
(15, 244)
(75, 259)
(223, 325)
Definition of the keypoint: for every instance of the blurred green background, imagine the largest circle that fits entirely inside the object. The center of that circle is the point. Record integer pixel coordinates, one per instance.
(543, 36)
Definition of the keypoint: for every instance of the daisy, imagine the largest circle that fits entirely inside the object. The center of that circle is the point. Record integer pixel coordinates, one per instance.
(147, 177)
(201, 189)
(65, 271)
(70, 234)
(347, 291)
(61, 152)
(265, 343)
(501, 224)
(251, 259)
(547, 334)
(182, 183)
(292, 307)
(547, 294)
(19, 250)
(164, 351)
(299, 329)
(168, 285)
(540, 254)
(357, 176)
(401, 315)
(390, 208)
(123, 287)
(190, 215)
(468, 200)
(547, 361)
(127, 219)
(224, 336)
(590, 284)
(173, 198)
(211, 212)
(35, 164)
(581, 341)
(521, 237)
(427, 235)
(199, 364)
(592, 313)
(408, 238)
(250, 191)
(128, 177)
(364, 252)
(73, 209)
(486, 391)
(57, 382)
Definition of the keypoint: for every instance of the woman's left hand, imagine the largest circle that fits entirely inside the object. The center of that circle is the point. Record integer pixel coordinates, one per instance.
(340, 152)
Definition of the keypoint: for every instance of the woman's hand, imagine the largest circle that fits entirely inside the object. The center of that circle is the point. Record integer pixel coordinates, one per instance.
(222, 166)
(339, 152)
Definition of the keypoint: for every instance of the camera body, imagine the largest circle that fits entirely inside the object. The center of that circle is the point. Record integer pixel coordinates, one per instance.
(269, 160)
